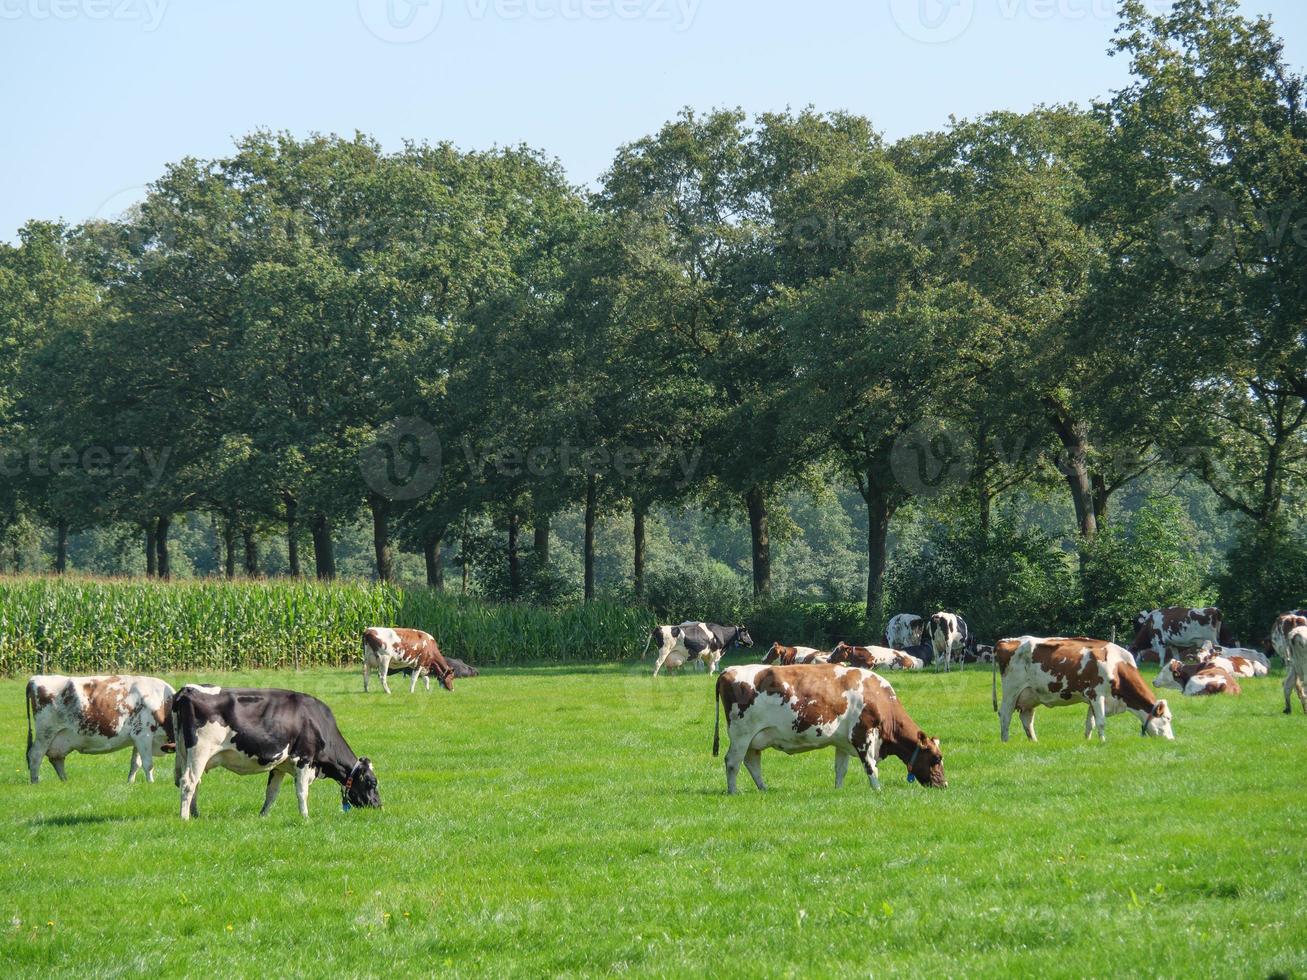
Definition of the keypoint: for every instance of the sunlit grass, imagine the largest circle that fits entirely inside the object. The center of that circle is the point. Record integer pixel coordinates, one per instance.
(574, 821)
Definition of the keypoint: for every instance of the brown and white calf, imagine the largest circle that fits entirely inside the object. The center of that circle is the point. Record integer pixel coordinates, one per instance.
(816, 706)
(1216, 676)
(1167, 634)
(875, 658)
(1057, 671)
(400, 649)
(1289, 637)
(96, 715)
(787, 656)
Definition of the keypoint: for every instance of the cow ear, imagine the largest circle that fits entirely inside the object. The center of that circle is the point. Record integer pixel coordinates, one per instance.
(366, 763)
(936, 741)
(1159, 709)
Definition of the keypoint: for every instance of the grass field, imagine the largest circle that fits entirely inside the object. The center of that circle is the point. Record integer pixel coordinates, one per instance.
(572, 820)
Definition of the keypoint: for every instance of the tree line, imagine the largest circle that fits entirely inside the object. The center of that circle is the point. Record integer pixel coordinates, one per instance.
(310, 329)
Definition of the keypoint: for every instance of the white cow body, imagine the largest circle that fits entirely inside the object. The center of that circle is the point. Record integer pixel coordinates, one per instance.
(1289, 638)
(904, 630)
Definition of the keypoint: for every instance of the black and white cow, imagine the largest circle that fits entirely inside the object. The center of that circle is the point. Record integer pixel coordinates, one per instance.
(705, 642)
(904, 630)
(951, 639)
(249, 730)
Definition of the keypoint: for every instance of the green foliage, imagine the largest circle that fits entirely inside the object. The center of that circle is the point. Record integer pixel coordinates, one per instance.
(1265, 576)
(684, 587)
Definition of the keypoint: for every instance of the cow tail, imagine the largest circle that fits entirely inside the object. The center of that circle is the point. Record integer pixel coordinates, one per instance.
(717, 719)
(31, 696)
(649, 642)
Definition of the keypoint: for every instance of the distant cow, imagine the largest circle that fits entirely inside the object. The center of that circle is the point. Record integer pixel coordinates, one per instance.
(385, 648)
(951, 639)
(1216, 676)
(705, 642)
(875, 658)
(248, 730)
(1289, 637)
(904, 630)
(787, 656)
(1239, 661)
(799, 709)
(96, 715)
(1164, 634)
(1058, 671)
(461, 669)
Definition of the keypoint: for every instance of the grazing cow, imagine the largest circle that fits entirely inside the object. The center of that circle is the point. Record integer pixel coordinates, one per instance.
(247, 731)
(950, 637)
(1216, 676)
(799, 709)
(1058, 671)
(787, 656)
(705, 642)
(96, 715)
(875, 658)
(1162, 633)
(1289, 637)
(904, 630)
(411, 650)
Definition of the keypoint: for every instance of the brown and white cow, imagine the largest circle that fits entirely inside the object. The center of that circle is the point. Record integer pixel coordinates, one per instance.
(875, 658)
(1167, 634)
(1236, 660)
(816, 706)
(787, 656)
(402, 649)
(1058, 670)
(1289, 637)
(96, 715)
(1216, 676)
(904, 630)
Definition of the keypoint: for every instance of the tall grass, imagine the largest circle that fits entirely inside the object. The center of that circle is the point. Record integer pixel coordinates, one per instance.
(76, 625)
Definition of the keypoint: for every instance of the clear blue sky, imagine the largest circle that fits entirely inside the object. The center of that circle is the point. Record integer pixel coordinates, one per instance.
(100, 94)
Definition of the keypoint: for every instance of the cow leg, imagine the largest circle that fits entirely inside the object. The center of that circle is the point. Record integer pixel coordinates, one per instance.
(196, 761)
(135, 766)
(734, 756)
(753, 762)
(384, 670)
(426, 679)
(36, 752)
(1005, 717)
(662, 659)
(366, 670)
(1028, 723)
(303, 780)
(1295, 679)
(274, 787)
(1099, 708)
(417, 673)
(841, 767)
(870, 755)
(142, 758)
(1089, 722)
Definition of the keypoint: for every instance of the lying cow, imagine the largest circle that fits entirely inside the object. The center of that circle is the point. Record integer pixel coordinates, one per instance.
(802, 708)
(951, 639)
(875, 658)
(904, 630)
(96, 715)
(247, 731)
(1235, 660)
(788, 656)
(1216, 676)
(1163, 634)
(704, 642)
(1058, 671)
(1289, 637)
(385, 648)
(461, 668)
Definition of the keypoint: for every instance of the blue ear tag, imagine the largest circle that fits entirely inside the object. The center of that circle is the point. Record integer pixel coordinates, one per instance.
(912, 777)
(345, 807)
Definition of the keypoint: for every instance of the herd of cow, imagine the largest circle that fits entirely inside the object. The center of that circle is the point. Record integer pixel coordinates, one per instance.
(799, 699)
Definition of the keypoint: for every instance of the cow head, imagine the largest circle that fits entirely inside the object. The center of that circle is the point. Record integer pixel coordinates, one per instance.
(926, 764)
(447, 678)
(842, 654)
(1158, 722)
(774, 654)
(742, 637)
(360, 787)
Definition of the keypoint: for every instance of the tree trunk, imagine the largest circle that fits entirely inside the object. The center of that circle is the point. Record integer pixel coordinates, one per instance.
(761, 541)
(251, 552)
(986, 508)
(161, 544)
(324, 549)
(637, 516)
(879, 513)
(431, 548)
(514, 557)
(292, 537)
(229, 549)
(463, 551)
(1101, 496)
(61, 546)
(591, 506)
(1075, 468)
(151, 551)
(380, 507)
(541, 542)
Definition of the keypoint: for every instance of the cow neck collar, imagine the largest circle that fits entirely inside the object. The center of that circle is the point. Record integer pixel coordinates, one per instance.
(339, 771)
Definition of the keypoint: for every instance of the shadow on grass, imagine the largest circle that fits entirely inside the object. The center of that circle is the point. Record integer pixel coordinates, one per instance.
(79, 820)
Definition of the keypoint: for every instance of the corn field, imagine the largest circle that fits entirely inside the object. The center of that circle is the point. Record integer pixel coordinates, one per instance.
(77, 626)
